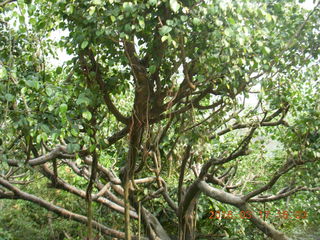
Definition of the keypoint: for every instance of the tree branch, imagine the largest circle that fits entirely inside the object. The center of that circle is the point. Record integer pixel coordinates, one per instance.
(284, 169)
(220, 195)
(238, 202)
(57, 152)
(283, 195)
(60, 211)
(69, 188)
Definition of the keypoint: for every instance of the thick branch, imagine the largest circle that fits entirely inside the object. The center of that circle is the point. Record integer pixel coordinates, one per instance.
(7, 195)
(263, 226)
(220, 195)
(238, 202)
(117, 136)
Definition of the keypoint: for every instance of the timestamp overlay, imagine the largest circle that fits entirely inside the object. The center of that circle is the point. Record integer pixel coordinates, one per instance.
(281, 214)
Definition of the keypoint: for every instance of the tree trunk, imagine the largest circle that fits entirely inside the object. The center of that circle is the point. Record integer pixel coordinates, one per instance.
(187, 223)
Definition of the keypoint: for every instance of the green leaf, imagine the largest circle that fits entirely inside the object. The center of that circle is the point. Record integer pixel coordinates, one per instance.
(33, 84)
(127, 28)
(43, 136)
(9, 97)
(49, 91)
(266, 50)
(164, 38)
(58, 70)
(152, 69)
(231, 21)
(82, 99)
(3, 73)
(164, 30)
(268, 17)
(74, 132)
(183, 18)
(174, 5)
(228, 32)
(92, 148)
(196, 21)
(87, 115)
(73, 147)
(45, 128)
(127, 6)
(240, 40)
(142, 23)
(218, 22)
(170, 22)
(152, 2)
(21, 19)
(92, 9)
(33, 21)
(63, 108)
(84, 44)
(97, 2)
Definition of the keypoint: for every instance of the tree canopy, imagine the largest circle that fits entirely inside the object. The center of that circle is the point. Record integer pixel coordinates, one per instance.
(169, 119)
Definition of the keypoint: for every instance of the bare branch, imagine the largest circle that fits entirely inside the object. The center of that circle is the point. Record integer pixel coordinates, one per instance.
(69, 188)
(265, 123)
(60, 211)
(263, 226)
(284, 169)
(57, 152)
(283, 195)
(220, 195)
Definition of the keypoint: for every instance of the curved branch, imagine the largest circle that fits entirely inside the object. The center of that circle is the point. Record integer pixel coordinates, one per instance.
(283, 195)
(264, 123)
(238, 202)
(118, 135)
(69, 188)
(284, 169)
(57, 152)
(103, 87)
(220, 195)
(59, 210)
(240, 151)
(263, 226)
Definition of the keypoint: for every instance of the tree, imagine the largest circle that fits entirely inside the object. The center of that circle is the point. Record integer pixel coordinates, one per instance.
(152, 110)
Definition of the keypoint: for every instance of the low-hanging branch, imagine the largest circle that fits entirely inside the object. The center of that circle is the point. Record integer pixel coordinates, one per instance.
(69, 188)
(18, 194)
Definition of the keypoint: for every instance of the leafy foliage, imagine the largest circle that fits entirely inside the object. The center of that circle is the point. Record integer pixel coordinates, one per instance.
(165, 109)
